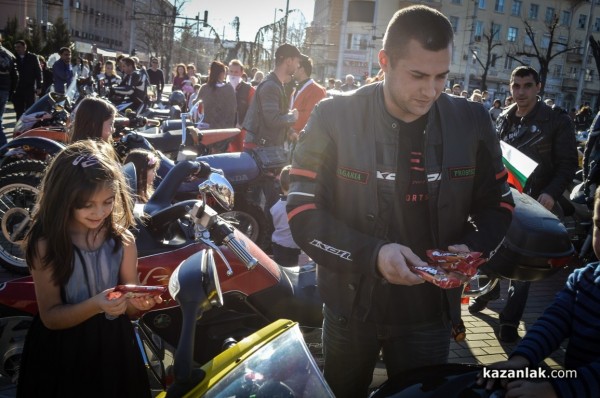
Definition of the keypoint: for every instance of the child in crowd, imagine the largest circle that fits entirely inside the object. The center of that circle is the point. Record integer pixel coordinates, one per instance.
(574, 315)
(78, 249)
(93, 118)
(146, 164)
(285, 251)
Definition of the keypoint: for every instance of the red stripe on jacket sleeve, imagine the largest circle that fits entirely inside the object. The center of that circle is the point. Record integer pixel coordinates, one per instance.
(300, 209)
(303, 173)
(507, 206)
(501, 174)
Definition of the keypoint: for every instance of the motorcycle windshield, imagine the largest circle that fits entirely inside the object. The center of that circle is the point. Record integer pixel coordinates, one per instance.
(43, 105)
(282, 367)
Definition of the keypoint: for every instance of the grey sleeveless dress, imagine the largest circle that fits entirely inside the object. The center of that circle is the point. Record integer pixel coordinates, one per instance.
(97, 358)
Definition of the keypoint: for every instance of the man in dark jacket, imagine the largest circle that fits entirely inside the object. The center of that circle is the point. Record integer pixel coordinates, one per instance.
(133, 86)
(547, 136)
(269, 119)
(30, 78)
(8, 81)
(62, 70)
(379, 176)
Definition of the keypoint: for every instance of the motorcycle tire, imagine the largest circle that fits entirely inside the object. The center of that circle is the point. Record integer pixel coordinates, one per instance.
(18, 194)
(249, 219)
(33, 167)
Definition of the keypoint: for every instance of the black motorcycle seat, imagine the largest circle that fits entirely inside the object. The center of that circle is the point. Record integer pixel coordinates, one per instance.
(167, 142)
(171, 125)
(152, 112)
(238, 167)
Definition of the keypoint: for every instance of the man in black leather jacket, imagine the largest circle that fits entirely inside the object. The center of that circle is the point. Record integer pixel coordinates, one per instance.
(133, 84)
(547, 136)
(379, 176)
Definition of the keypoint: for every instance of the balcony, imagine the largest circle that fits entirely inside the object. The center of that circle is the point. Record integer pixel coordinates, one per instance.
(574, 58)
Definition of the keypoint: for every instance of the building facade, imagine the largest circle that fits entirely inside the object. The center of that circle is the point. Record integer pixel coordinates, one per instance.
(102, 27)
(346, 36)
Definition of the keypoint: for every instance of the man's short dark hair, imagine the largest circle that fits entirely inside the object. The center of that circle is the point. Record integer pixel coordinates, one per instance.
(21, 42)
(128, 61)
(63, 50)
(524, 71)
(306, 63)
(424, 24)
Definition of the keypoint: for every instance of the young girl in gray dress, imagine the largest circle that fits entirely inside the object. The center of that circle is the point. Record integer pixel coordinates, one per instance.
(81, 343)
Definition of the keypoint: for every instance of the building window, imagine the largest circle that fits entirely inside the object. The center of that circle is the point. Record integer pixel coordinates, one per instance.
(494, 59)
(454, 22)
(499, 7)
(545, 41)
(528, 42)
(557, 71)
(550, 13)
(479, 29)
(482, 4)
(533, 11)
(496, 29)
(508, 62)
(512, 34)
(572, 74)
(565, 18)
(516, 8)
(357, 41)
(589, 75)
(456, 2)
(582, 21)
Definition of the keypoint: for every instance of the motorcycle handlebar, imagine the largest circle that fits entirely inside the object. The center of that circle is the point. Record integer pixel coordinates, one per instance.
(239, 250)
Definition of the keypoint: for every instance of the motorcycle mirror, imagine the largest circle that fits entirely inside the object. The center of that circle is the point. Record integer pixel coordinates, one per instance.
(220, 189)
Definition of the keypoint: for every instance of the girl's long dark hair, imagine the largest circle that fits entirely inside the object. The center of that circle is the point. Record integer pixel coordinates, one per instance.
(74, 175)
(143, 160)
(90, 115)
(216, 68)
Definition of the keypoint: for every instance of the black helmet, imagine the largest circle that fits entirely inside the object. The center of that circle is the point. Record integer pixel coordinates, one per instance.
(177, 97)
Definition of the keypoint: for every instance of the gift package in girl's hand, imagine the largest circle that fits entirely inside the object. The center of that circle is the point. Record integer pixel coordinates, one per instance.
(449, 270)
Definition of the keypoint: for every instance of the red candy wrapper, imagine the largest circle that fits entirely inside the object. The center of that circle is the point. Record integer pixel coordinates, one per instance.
(449, 270)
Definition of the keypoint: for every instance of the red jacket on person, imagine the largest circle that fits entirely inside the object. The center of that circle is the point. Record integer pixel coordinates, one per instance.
(304, 100)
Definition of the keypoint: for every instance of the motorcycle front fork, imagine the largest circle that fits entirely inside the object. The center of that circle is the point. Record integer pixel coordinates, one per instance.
(153, 353)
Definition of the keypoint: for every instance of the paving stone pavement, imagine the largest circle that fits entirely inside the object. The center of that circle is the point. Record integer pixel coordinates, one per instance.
(481, 345)
(9, 120)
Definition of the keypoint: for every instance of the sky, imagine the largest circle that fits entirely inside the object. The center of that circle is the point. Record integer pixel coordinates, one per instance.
(253, 14)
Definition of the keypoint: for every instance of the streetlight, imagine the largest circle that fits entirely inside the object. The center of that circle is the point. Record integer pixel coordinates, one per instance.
(273, 38)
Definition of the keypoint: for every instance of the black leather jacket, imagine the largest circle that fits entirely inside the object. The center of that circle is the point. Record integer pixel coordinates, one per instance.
(133, 86)
(337, 190)
(547, 136)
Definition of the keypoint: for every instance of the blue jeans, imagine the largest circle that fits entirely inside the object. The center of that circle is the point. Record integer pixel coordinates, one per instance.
(351, 348)
(3, 101)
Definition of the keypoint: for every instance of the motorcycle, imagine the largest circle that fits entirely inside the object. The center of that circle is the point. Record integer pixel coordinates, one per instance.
(22, 165)
(255, 289)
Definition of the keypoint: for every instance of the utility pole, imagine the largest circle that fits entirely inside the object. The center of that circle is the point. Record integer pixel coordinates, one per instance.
(67, 14)
(285, 22)
(342, 47)
(586, 52)
(373, 38)
(470, 47)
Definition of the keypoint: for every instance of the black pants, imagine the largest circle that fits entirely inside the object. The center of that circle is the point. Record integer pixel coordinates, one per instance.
(22, 100)
(285, 256)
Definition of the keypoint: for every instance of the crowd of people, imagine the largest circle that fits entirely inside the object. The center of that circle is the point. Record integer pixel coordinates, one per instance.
(419, 160)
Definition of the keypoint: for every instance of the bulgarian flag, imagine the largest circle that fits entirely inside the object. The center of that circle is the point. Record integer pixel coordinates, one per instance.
(518, 165)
